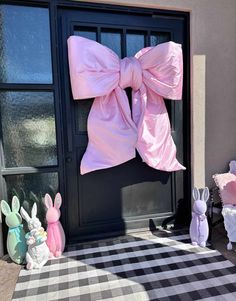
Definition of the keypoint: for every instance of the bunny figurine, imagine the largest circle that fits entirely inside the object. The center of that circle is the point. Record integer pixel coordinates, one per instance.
(38, 252)
(199, 229)
(55, 232)
(16, 243)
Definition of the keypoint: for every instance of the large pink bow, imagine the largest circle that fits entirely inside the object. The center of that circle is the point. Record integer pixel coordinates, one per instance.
(114, 133)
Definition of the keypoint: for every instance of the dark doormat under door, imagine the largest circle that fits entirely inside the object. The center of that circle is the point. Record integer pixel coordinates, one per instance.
(143, 266)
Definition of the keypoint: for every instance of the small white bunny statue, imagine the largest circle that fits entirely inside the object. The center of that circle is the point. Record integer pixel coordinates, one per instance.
(199, 229)
(38, 252)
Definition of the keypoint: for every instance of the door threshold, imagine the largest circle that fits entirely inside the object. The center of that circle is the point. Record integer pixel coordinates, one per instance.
(116, 234)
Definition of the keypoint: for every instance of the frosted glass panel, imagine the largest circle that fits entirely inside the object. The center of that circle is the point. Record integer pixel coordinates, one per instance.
(112, 40)
(28, 128)
(25, 54)
(31, 188)
(134, 42)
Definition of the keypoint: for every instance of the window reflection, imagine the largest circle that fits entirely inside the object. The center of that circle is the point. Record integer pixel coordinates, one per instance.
(159, 37)
(28, 128)
(112, 39)
(31, 188)
(135, 42)
(86, 32)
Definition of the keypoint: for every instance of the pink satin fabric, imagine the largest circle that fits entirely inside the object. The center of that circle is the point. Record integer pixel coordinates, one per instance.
(114, 133)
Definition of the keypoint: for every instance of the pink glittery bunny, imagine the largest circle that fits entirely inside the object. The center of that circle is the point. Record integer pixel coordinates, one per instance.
(55, 232)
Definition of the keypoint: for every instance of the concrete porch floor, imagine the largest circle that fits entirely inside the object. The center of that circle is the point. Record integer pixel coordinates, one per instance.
(9, 271)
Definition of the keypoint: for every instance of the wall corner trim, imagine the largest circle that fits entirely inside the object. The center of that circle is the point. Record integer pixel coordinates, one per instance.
(198, 119)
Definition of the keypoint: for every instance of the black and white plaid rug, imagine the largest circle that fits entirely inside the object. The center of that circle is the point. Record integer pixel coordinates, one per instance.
(144, 266)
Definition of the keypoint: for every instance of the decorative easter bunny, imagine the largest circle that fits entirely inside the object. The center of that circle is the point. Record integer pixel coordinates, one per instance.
(38, 252)
(16, 243)
(55, 232)
(232, 167)
(199, 229)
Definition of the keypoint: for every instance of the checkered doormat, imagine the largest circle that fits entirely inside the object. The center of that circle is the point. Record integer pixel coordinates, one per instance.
(144, 266)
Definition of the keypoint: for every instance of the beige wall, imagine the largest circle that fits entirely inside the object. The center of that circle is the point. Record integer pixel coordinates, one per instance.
(213, 81)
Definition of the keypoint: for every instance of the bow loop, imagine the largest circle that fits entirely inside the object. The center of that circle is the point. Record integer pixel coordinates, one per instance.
(94, 68)
(163, 69)
(130, 73)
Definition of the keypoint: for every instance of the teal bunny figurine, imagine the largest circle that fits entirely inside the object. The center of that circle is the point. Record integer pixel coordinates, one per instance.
(16, 243)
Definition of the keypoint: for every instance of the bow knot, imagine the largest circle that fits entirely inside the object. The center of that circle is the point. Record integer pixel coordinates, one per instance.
(130, 73)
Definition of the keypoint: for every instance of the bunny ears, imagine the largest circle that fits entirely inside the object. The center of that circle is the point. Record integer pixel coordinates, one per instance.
(57, 202)
(196, 194)
(15, 204)
(26, 216)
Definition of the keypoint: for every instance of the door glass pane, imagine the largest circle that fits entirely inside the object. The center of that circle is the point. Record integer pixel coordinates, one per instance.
(155, 39)
(83, 107)
(31, 188)
(28, 128)
(112, 39)
(25, 53)
(86, 32)
(159, 37)
(82, 111)
(170, 108)
(135, 41)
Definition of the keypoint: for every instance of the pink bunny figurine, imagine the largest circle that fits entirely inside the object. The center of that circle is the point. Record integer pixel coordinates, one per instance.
(199, 228)
(55, 232)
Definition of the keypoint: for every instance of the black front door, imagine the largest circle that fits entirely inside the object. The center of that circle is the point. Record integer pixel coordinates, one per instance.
(129, 195)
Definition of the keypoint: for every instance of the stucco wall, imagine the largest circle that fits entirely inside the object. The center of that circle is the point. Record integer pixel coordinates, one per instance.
(213, 81)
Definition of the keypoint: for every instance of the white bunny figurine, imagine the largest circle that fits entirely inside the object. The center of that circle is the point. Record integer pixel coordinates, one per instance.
(199, 229)
(38, 252)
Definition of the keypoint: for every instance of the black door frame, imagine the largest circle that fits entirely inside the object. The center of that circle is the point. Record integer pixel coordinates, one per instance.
(53, 6)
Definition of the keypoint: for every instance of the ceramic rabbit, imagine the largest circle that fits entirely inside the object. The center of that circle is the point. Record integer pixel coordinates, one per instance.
(38, 252)
(16, 243)
(55, 232)
(199, 229)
